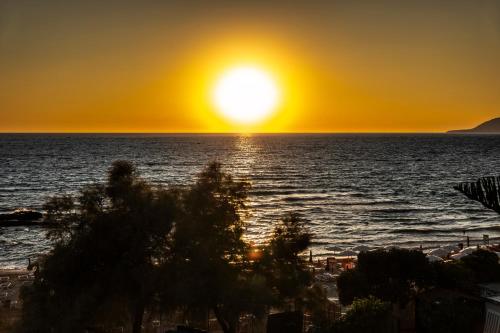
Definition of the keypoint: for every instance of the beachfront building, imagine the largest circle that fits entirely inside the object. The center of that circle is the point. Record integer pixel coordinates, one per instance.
(492, 319)
(491, 295)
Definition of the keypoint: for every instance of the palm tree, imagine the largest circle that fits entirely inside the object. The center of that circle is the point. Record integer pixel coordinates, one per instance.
(486, 190)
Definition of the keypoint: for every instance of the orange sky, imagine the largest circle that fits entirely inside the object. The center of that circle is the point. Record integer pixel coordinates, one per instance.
(345, 66)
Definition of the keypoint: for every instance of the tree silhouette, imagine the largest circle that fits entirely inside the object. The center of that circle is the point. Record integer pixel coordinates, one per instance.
(103, 268)
(216, 269)
(367, 315)
(208, 249)
(391, 276)
(125, 248)
(485, 190)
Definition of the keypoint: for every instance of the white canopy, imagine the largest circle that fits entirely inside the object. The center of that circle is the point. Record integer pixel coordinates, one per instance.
(432, 258)
(469, 249)
(451, 248)
(459, 255)
(347, 253)
(439, 252)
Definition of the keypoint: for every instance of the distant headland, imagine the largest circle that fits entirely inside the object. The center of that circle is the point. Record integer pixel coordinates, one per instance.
(491, 126)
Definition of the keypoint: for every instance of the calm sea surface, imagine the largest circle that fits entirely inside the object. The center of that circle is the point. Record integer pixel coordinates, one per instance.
(377, 190)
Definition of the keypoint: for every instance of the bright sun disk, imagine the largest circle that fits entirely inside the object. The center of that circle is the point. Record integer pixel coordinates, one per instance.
(246, 95)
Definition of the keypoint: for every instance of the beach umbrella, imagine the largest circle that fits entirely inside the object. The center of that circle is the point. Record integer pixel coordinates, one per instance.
(361, 248)
(432, 258)
(439, 252)
(347, 253)
(451, 248)
(334, 248)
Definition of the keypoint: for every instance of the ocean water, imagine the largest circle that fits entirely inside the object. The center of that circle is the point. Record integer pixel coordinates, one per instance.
(376, 190)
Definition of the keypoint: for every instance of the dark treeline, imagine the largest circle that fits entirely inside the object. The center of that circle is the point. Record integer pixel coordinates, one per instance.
(124, 250)
(440, 297)
(385, 283)
(447, 294)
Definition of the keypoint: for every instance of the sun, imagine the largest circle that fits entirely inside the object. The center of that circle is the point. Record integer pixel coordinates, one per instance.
(246, 95)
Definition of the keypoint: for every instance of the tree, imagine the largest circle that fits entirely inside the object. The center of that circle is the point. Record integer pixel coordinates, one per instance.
(465, 274)
(367, 315)
(448, 312)
(216, 269)
(453, 305)
(485, 190)
(391, 276)
(483, 265)
(104, 264)
(281, 262)
(352, 284)
(454, 276)
(124, 248)
(315, 301)
(208, 248)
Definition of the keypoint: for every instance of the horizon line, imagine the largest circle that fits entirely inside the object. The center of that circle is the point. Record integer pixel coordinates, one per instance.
(227, 133)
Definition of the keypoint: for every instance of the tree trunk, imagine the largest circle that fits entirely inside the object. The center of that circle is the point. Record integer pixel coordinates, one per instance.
(138, 317)
(226, 326)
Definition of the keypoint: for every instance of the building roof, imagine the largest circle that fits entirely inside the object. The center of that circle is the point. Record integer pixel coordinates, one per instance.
(490, 289)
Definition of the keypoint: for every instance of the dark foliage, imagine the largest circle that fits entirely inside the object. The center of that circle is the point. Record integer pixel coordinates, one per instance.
(483, 265)
(391, 276)
(454, 276)
(105, 259)
(281, 263)
(464, 275)
(486, 191)
(448, 312)
(367, 315)
(124, 248)
(447, 293)
(215, 269)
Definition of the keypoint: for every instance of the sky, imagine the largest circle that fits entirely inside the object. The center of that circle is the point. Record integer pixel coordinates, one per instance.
(341, 66)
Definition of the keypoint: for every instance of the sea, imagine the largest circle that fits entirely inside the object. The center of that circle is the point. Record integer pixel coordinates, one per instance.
(378, 190)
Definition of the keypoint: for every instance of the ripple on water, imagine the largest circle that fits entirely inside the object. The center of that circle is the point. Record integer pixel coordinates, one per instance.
(377, 190)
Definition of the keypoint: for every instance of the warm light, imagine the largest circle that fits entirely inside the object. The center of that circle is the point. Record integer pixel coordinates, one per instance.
(246, 95)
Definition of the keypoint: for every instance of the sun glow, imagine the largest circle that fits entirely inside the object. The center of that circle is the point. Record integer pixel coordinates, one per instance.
(246, 95)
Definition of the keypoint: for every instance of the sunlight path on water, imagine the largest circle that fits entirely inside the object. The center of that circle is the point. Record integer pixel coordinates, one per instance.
(377, 190)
